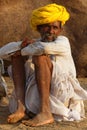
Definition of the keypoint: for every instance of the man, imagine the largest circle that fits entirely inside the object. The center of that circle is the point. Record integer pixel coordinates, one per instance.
(47, 86)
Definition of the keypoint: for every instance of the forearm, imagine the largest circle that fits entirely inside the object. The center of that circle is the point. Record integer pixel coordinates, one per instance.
(39, 48)
(32, 49)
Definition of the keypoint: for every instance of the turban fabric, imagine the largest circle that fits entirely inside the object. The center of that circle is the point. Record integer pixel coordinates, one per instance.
(49, 13)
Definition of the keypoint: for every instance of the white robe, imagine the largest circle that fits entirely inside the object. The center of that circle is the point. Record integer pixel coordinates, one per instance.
(66, 95)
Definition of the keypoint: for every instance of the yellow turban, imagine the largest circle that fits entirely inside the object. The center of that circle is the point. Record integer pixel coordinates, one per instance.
(48, 14)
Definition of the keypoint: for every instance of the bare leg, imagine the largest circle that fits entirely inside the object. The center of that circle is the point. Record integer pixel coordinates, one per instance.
(19, 82)
(43, 69)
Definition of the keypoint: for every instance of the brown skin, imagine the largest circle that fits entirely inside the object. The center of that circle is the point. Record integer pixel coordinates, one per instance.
(43, 70)
(49, 32)
(18, 71)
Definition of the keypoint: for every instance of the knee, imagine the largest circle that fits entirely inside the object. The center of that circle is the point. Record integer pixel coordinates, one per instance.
(43, 61)
(38, 60)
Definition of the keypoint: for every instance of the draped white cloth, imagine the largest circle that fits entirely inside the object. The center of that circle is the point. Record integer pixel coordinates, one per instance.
(66, 95)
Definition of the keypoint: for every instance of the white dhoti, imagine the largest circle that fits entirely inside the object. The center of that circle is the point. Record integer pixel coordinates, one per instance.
(66, 95)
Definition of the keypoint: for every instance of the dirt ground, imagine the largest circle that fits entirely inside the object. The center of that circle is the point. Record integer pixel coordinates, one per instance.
(4, 112)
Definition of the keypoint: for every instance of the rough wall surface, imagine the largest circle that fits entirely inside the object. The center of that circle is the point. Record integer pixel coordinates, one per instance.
(14, 25)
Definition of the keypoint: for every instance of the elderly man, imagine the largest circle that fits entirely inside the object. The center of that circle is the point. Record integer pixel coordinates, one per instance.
(47, 86)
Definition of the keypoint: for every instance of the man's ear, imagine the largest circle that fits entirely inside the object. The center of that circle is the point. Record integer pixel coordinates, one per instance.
(61, 28)
(39, 28)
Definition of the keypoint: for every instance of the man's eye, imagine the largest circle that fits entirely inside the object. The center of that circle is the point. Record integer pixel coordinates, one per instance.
(47, 26)
(55, 27)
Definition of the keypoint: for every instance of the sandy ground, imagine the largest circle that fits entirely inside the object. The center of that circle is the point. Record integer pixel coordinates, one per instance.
(4, 112)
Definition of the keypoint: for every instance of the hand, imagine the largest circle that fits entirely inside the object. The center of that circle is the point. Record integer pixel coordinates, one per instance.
(26, 42)
(17, 53)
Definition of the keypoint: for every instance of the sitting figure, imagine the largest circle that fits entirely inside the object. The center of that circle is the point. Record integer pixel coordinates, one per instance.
(44, 73)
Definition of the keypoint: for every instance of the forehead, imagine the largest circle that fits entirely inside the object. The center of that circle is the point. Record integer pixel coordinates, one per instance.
(56, 23)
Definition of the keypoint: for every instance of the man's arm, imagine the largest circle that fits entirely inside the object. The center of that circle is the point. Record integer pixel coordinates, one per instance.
(58, 47)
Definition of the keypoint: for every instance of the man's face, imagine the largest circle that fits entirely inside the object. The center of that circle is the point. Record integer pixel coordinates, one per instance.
(49, 32)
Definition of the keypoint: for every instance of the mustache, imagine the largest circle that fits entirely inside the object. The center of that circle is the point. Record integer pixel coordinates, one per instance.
(49, 34)
(46, 37)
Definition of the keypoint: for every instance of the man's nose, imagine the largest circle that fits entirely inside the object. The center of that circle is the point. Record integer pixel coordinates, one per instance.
(51, 30)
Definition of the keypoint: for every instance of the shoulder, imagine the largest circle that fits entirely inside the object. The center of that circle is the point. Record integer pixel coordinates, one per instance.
(63, 38)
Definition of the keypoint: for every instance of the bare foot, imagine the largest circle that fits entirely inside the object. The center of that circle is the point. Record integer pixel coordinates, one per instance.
(15, 117)
(40, 119)
(18, 115)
